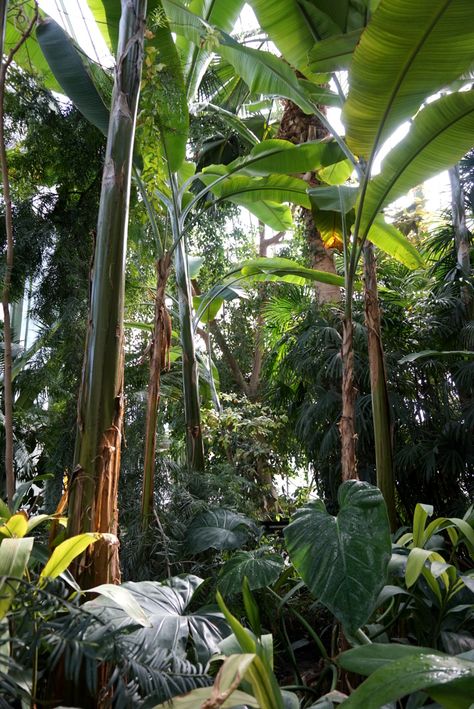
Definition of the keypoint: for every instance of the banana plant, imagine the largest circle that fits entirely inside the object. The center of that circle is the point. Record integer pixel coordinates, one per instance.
(321, 37)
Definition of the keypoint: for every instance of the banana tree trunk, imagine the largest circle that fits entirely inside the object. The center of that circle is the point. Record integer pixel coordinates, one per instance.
(161, 340)
(347, 422)
(192, 409)
(461, 236)
(94, 483)
(378, 385)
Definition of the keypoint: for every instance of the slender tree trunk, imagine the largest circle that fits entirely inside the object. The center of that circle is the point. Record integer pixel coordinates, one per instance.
(378, 384)
(462, 237)
(347, 423)
(94, 483)
(7, 329)
(192, 409)
(160, 345)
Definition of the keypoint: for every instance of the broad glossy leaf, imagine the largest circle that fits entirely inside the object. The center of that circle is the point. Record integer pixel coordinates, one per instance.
(439, 136)
(366, 659)
(337, 198)
(69, 70)
(107, 13)
(14, 556)
(66, 552)
(263, 72)
(218, 529)
(335, 53)
(123, 598)
(197, 697)
(276, 216)
(413, 356)
(244, 190)
(391, 240)
(446, 679)
(286, 270)
(336, 174)
(418, 48)
(416, 562)
(285, 158)
(166, 607)
(258, 566)
(4, 510)
(343, 560)
(421, 514)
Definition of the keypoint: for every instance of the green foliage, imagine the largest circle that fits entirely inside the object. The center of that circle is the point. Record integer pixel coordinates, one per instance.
(218, 529)
(352, 552)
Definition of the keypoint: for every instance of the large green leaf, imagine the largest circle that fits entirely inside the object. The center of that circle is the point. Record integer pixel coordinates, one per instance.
(14, 555)
(246, 190)
(166, 608)
(343, 560)
(366, 659)
(218, 529)
(417, 48)
(296, 25)
(69, 70)
(285, 270)
(276, 216)
(258, 566)
(263, 72)
(286, 158)
(220, 13)
(107, 13)
(66, 552)
(439, 136)
(391, 240)
(334, 53)
(446, 679)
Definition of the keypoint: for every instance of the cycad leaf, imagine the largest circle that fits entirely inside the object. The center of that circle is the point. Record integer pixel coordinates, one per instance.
(343, 559)
(409, 51)
(439, 136)
(263, 72)
(68, 68)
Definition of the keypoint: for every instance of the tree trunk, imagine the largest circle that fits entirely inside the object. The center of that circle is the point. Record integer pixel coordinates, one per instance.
(298, 127)
(192, 409)
(462, 237)
(378, 385)
(347, 423)
(94, 483)
(159, 354)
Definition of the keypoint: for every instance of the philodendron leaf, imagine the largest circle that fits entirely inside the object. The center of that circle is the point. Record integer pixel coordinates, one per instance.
(343, 560)
(258, 566)
(218, 529)
(448, 680)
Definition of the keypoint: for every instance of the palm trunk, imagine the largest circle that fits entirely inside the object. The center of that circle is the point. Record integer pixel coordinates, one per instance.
(192, 409)
(7, 329)
(94, 483)
(378, 385)
(160, 345)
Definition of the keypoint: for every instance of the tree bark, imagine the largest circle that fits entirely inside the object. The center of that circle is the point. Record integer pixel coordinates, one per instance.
(159, 354)
(378, 385)
(7, 329)
(94, 483)
(461, 236)
(347, 423)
